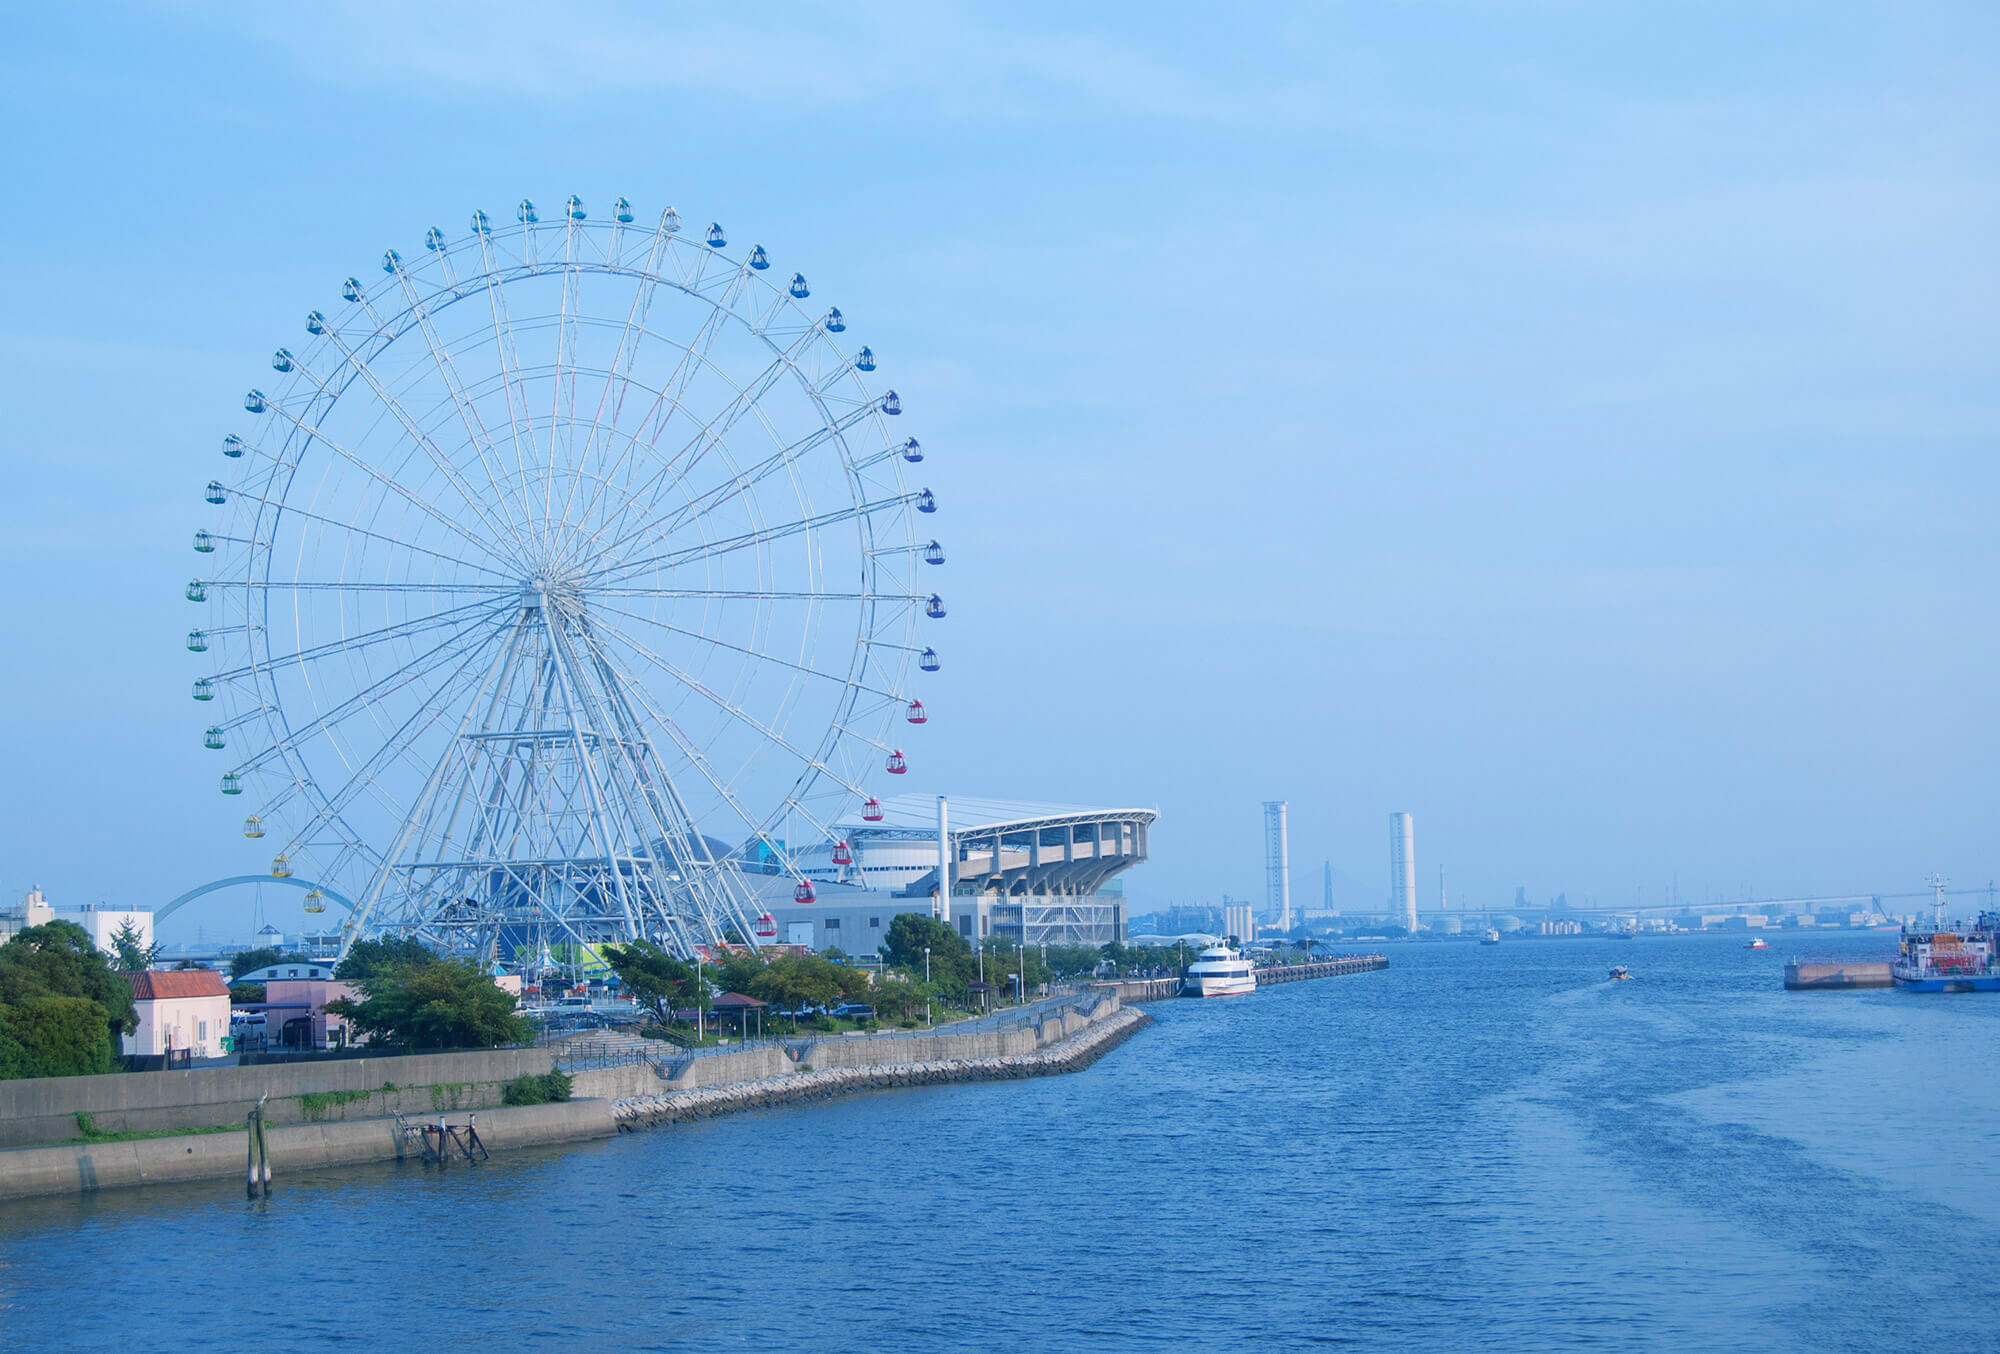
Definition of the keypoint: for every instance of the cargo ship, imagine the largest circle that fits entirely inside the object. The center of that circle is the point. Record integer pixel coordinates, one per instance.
(1939, 958)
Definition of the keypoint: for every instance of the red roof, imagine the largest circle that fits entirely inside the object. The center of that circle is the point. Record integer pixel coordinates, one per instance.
(165, 985)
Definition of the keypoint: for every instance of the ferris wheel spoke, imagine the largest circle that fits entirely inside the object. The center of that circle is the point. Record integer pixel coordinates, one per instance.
(507, 354)
(270, 585)
(709, 500)
(746, 595)
(346, 644)
(447, 370)
(313, 433)
(283, 508)
(443, 463)
(618, 372)
(454, 647)
(690, 750)
(734, 711)
(837, 679)
(751, 539)
(362, 778)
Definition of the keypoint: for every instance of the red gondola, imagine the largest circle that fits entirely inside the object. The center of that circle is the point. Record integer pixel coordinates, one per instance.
(872, 811)
(917, 715)
(897, 766)
(767, 926)
(804, 892)
(842, 855)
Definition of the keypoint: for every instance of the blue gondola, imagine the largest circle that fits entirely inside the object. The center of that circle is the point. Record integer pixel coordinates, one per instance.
(525, 213)
(204, 689)
(865, 360)
(800, 291)
(254, 401)
(928, 660)
(232, 446)
(934, 607)
(716, 239)
(758, 258)
(621, 212)
(892, 403)
(575, 208)
(434, 239)
(670, 221)
(926, 501)
(350, 290)
(391, 261)
(232, 784)
(197, 591)
(315, 322)
(482, 224)
(281, 360)
(913, 451)
(215, 493)
(834, 322)
(197, 641)
(213, 739)
(204, 544)
(934, 553)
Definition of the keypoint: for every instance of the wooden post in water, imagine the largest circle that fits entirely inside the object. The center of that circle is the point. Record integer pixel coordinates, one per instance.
(259, 1181)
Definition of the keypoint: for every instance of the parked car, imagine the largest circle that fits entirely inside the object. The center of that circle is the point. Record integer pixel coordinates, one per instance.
(854, 1011)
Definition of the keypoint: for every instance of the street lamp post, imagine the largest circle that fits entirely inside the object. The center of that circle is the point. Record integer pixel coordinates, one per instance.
(928, 1021)
(699, 1032)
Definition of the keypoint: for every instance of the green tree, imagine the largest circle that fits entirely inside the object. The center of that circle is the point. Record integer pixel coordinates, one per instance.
(130, 950)
(441, 1003)
(370, 957)
(62, 1006)
(737, 973)
(909, 935)
(246, 994)
(656, 979)
(46, 1036)
(797, 981)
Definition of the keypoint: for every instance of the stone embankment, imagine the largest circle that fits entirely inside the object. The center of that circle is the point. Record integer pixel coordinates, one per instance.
(707, 1102)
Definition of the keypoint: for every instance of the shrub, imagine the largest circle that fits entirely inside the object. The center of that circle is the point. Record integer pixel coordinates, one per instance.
(549, 1087)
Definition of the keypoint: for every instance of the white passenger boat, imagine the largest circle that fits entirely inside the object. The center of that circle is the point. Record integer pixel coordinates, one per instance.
(1219, 972)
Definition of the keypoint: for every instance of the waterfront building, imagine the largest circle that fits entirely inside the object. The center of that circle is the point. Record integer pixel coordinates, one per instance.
(1045, 872)
(294, 1005)
(1403, 871)
(1277, 867)
(183, 1011)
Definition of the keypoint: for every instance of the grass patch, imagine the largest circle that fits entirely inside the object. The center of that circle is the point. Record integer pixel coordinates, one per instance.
(89, 1132)
(316, 1105)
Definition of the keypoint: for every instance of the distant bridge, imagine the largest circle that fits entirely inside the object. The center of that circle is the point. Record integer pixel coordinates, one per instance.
(214, 885)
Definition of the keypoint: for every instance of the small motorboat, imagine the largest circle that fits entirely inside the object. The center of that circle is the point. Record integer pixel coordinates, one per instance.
(1759, 943)
(1619, 973)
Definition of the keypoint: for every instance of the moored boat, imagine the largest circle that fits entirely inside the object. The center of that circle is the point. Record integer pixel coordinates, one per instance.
(1940, 958)
(1219, 972)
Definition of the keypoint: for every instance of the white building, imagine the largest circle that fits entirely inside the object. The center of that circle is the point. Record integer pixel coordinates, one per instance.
(105, 922)
(183, 1009)
(1239, 920)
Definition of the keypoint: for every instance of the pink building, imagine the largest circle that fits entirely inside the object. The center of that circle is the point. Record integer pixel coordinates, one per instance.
(295, 996)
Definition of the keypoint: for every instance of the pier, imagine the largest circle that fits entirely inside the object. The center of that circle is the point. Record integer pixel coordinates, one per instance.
(1338, 966)
(1836, 975)
(1134, 991)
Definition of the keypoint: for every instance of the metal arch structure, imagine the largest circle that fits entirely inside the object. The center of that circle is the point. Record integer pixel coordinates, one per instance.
(160, 914)
(556, 548)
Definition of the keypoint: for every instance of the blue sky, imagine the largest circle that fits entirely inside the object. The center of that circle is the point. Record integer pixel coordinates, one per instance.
(1572, 423)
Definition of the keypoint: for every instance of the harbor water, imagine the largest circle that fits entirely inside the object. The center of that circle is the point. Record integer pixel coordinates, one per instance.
(1487, 1147)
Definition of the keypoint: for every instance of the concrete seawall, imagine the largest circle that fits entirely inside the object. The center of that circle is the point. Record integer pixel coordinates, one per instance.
(76, 1168)
(707, 1102)
(44, 1109)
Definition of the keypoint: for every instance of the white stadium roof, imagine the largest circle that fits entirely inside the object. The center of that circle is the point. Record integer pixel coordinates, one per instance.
(920, 811)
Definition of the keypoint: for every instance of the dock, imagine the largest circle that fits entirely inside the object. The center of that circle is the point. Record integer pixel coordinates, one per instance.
(1836, 975)
(1336, 967)
(1134, 991)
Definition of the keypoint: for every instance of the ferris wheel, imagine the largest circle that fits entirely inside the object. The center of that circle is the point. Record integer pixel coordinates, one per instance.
(554, 572)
